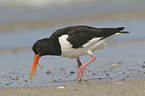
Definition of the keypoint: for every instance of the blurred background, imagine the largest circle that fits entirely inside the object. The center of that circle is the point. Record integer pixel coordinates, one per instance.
(22, 22)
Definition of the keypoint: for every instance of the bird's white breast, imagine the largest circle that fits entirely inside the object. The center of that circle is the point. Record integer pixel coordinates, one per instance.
(67, 50)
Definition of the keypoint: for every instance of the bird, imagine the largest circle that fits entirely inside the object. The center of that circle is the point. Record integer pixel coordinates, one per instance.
(73, 42)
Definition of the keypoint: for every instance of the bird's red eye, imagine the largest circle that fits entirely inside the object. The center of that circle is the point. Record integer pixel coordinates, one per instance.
(38, 49)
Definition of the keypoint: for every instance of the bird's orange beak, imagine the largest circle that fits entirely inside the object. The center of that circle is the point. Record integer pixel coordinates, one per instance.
(36, 59)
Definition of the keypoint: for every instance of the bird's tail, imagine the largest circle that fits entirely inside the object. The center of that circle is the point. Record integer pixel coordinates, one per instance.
(122, 30)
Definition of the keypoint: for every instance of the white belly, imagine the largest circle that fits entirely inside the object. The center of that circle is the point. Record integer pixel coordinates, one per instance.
(92, 45)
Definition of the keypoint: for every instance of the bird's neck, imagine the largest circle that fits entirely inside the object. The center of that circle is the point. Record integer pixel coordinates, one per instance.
(52, 47)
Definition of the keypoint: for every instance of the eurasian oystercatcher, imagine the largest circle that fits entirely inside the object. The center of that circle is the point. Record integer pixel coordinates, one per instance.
(73, 42)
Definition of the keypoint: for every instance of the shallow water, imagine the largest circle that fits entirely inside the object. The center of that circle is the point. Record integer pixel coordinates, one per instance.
(14, 14)
(112, 63)
(122, 61)
(26, 38)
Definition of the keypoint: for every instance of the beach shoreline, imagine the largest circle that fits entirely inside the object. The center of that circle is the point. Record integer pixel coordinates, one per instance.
(113, 88)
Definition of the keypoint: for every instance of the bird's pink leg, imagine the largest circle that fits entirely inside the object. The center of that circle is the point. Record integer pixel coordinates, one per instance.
(81, 68)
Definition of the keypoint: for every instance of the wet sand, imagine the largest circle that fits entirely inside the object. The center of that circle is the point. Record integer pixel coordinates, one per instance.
(91, 88)
(128, 64)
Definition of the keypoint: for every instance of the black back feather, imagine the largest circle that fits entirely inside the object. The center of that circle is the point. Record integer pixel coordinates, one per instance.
(79, 35)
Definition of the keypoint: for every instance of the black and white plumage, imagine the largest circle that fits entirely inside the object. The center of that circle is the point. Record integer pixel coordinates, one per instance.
(75, 41)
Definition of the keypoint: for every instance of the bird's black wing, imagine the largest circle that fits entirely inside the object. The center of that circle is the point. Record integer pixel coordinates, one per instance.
(81, 36)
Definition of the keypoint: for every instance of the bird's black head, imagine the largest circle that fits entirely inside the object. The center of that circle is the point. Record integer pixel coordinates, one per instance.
(44, 47)
(41, 47)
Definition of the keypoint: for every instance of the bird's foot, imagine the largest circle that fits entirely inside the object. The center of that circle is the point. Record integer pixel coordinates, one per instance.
(80, 73)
